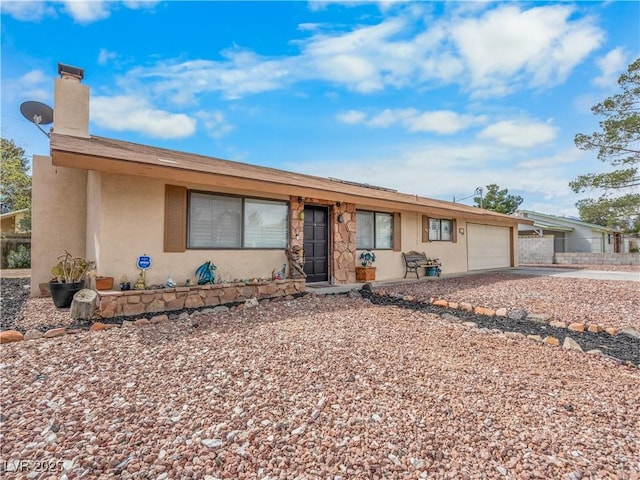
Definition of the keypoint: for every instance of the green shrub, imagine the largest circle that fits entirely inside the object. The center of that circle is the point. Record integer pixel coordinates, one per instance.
(20, 258)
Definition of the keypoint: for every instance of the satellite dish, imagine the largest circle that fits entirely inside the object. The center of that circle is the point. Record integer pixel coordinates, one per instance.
(37, 113)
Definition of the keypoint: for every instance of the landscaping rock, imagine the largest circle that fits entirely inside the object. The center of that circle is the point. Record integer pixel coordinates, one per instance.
(489, 312)
(570, 344)
(517, 314)
(32, 334)
(8, 336)
(251, 303)
(538, 317)
(576, 327)
(97, 327)
(159, 319)
(55, 332)
(551, 341)
(630, 332)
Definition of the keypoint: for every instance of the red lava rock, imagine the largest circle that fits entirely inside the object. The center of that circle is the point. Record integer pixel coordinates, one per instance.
(8, 336)
(551, 341)
(484, 311)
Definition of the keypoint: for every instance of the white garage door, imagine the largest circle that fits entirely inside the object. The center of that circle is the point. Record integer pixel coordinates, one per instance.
(488, 246)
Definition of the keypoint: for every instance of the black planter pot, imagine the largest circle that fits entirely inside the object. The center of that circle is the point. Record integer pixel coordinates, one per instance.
(62, 293)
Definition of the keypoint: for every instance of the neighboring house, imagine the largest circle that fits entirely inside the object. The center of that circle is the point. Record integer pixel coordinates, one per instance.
(112, 201)
(12, 234)
(570, 235)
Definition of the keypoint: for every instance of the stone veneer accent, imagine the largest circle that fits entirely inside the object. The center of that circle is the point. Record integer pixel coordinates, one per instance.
(344, 243)
(342, 236)
(136, 302)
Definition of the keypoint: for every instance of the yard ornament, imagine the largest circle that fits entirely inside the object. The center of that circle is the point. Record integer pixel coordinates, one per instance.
(206, 273)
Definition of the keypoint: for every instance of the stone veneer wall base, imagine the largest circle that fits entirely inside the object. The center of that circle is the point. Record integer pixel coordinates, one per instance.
(137, 302)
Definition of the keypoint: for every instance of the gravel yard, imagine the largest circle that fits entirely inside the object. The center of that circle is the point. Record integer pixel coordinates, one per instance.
(326, 387)
(607, 302)
(319, 387)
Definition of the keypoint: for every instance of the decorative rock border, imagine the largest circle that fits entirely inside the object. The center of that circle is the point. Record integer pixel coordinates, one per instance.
(522, 315)
(516, 315)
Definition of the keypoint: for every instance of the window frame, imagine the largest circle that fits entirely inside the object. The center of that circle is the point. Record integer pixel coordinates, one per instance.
(375, 239)
(243, 199)
(426, 229)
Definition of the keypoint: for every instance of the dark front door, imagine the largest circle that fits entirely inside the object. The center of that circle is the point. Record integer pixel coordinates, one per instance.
(316, 246)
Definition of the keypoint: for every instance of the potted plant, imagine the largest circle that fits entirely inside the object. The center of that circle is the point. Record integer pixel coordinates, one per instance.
(69, 274)
(104, 283)
(125, 284)
(433, 267)
(366, 272)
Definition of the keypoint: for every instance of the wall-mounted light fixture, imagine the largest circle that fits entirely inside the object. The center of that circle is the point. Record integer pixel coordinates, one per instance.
(340, 218)
(301, 215)
(461, 231)
(338, 204)
(300, 199)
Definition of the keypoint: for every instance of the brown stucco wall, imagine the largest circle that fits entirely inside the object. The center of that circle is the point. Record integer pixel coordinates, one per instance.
(59, 214)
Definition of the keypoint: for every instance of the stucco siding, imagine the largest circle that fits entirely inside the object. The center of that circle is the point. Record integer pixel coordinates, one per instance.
(390, 264)
(133, 225)
(59, 213)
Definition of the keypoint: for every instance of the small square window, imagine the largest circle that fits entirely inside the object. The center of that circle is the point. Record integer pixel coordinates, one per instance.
(439, 230)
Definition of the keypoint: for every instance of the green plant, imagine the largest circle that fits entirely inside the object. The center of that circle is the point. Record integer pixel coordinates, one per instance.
(19, 258)
(70, 269)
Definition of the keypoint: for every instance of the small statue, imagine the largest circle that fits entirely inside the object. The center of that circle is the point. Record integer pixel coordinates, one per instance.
(141, 283)
(296, 262)
(206, 273)
(170, 283)
(279, 275)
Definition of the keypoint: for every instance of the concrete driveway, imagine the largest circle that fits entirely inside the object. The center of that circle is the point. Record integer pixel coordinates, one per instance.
(574, 273)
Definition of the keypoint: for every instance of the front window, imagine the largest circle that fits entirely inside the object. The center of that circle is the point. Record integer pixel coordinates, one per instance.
(221, 221)
(374, 230)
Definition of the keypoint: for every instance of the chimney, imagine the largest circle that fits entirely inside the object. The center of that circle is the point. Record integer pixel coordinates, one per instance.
(70, 102)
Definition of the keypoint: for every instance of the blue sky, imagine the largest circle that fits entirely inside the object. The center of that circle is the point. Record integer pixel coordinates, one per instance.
(431, 98)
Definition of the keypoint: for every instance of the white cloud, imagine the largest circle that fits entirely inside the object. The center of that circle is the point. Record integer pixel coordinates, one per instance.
(133, 113)
(444, 122)
(87, 11)
(488, 51)
(33, 85)
(82, 11)
(508, 47)
(32, 11)
(351, 117)
(441, 121)
(105, 56)
(611, 66)
(388, 117)
(215, 123)
(519, 133)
